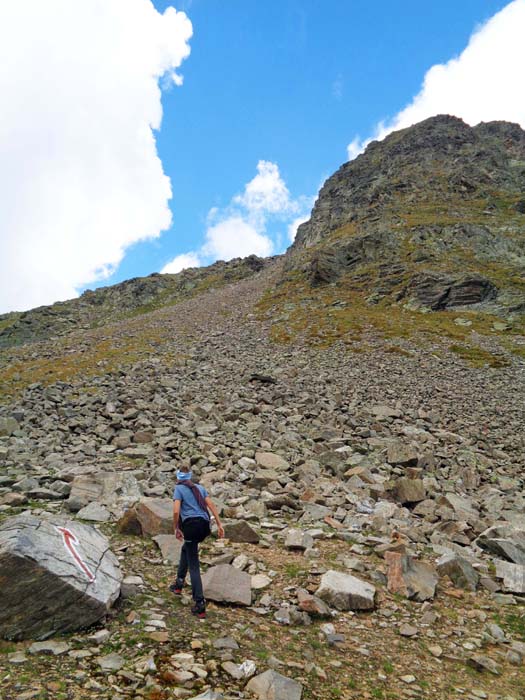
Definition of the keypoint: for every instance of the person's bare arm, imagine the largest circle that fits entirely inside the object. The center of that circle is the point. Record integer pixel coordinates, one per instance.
(176, 513)
(211, 506)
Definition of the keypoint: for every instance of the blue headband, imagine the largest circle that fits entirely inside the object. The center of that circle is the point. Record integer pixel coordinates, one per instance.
(183, 476)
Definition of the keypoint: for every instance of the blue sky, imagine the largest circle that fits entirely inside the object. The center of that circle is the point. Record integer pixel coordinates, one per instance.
(292, 82)
(275, 96)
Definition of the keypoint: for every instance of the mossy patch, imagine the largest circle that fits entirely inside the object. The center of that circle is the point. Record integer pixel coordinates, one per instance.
(478, 357)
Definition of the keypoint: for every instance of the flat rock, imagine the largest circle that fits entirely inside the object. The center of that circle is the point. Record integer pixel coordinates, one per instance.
(8, 426)
(483, 663)
(240, 531)
(57, 576)
(111, 662)
(95, 512)
(17, 657)
(112, 489)
(312, 604)
(269, 460)
(225, 643)
(271, 685)
(51, 647)
(226, 584)
(505, 541)
(399, 453)
(346, 592)
(260, 581)
(462, 507)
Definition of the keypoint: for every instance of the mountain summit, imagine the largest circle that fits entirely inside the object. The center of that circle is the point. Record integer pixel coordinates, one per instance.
(432, 216)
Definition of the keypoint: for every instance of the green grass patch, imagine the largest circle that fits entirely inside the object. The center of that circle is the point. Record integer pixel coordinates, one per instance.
(513, 622)
(478, 357)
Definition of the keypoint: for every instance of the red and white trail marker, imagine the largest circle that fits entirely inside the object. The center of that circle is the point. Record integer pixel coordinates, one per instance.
(70, 540)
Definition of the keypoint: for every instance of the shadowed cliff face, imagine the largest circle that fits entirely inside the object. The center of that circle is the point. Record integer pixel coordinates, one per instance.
(433, 216)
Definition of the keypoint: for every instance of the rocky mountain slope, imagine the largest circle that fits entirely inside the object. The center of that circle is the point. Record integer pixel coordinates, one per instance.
(379, 442)
(130, 298)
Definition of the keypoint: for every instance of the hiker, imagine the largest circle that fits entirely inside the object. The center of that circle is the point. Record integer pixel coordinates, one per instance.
(190, 507)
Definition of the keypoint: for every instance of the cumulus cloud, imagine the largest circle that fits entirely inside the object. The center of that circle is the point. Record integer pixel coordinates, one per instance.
(481, 84)
(242, 228)
(182, 262)
(235, 238)
(79, 172)
(266, 193)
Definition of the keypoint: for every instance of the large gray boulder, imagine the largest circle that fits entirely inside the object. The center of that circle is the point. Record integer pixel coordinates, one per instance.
(271, 685)
(117, 491)
(226, 584)
(346, 592)
(56, 575)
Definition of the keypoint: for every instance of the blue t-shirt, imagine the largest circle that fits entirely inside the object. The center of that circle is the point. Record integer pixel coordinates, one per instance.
(189, 508)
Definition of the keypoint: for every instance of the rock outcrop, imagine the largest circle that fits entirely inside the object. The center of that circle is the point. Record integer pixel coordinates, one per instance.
(430, 217)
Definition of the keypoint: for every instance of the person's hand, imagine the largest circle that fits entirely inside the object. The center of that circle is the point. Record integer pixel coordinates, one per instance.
(220, 531)
(179, 535)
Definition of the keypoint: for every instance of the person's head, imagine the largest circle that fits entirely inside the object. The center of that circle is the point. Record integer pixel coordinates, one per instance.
(184, 473)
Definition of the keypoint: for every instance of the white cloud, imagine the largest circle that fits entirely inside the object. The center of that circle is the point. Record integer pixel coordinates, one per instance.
(266, 193)
(182, 262)
(241, 228)
(235, 238)
(79, 172)
(481, 84)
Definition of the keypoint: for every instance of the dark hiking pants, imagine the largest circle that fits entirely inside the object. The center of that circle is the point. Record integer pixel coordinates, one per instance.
(195, 530)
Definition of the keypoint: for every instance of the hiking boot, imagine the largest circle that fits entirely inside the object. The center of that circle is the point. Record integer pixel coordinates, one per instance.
(176, 587)
(199, 610)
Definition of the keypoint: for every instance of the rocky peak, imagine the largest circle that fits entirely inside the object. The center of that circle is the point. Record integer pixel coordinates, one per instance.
(440, 158)
(434, 201)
